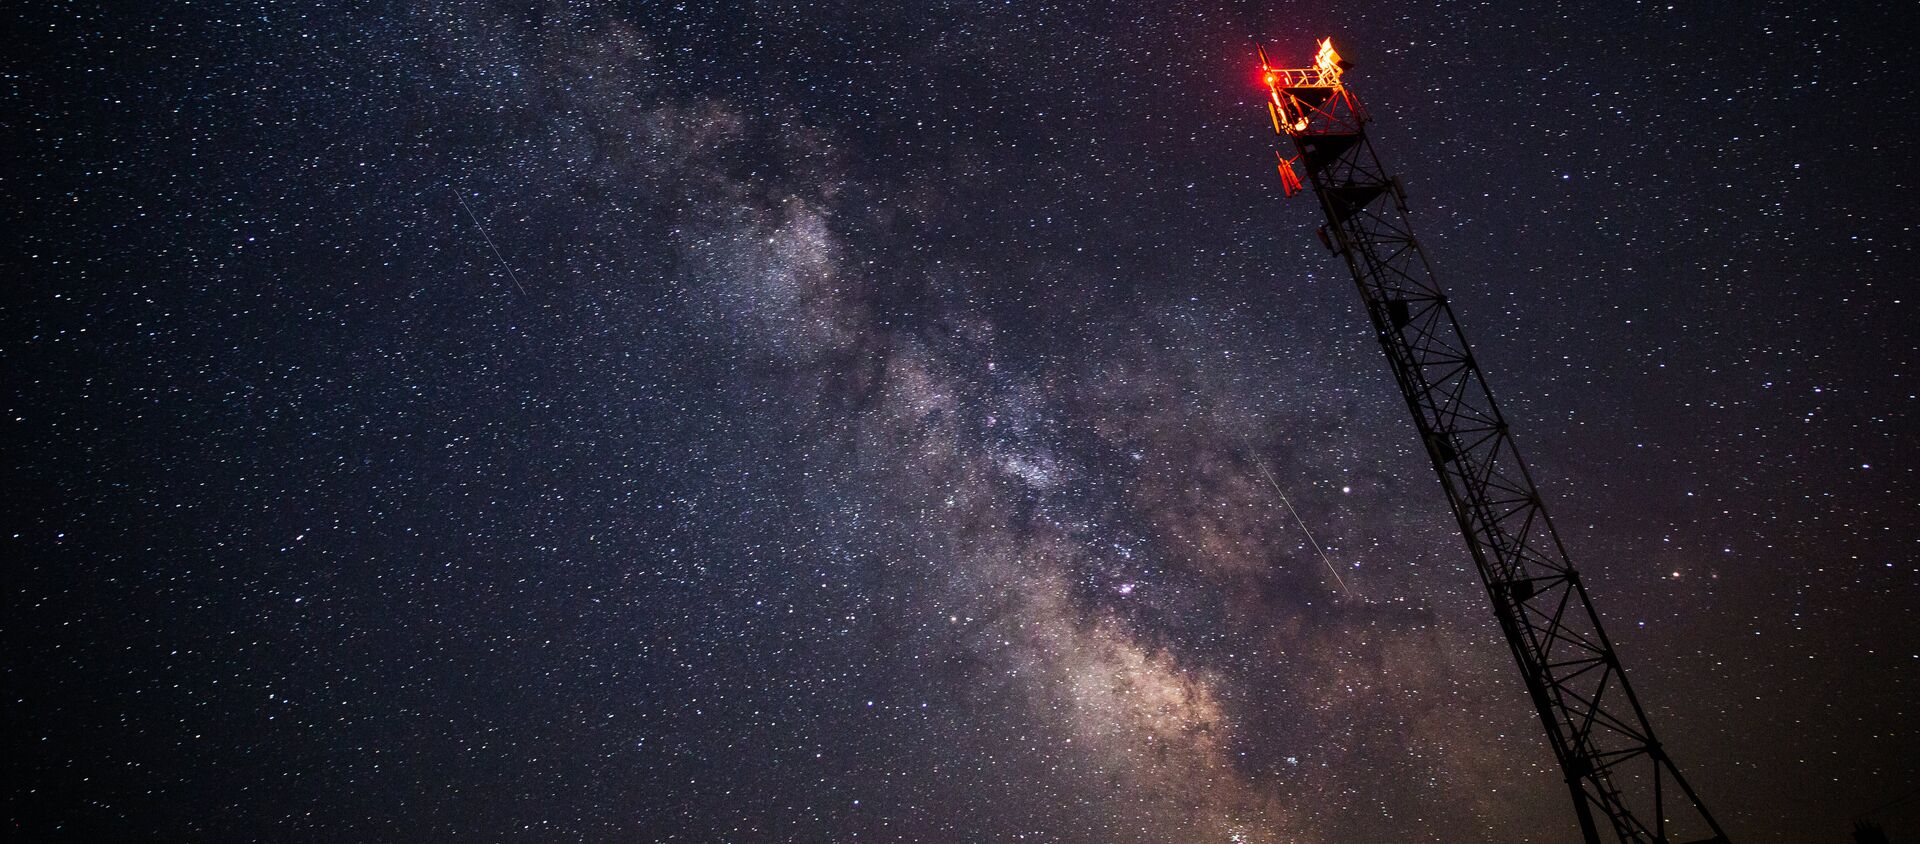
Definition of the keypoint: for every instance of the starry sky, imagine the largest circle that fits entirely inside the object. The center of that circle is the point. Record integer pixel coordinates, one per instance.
(662, 421)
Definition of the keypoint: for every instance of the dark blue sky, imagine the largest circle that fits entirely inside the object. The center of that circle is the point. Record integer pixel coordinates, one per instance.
(868, 443)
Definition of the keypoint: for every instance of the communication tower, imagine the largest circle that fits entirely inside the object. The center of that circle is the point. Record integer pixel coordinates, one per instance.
(1620, 776)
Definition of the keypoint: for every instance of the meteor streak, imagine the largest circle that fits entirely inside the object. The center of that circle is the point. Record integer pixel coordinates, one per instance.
(489, 238)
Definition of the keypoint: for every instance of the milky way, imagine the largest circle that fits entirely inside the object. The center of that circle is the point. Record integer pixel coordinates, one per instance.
(648, 422)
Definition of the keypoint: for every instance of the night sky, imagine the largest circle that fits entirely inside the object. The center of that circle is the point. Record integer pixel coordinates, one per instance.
(642, 421)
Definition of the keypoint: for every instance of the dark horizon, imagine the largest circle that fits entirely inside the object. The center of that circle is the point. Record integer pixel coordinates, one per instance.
(653, 422)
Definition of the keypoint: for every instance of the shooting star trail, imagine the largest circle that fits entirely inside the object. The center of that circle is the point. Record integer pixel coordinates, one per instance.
(1271, 481)
(483, 233)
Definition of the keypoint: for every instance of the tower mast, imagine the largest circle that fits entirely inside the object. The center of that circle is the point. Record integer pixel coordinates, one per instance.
(1620, 777)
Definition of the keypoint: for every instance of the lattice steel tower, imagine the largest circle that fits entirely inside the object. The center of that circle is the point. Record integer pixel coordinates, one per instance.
(1618, 773)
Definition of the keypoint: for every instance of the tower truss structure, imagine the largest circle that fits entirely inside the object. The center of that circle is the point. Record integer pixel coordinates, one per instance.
(1620, 776)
